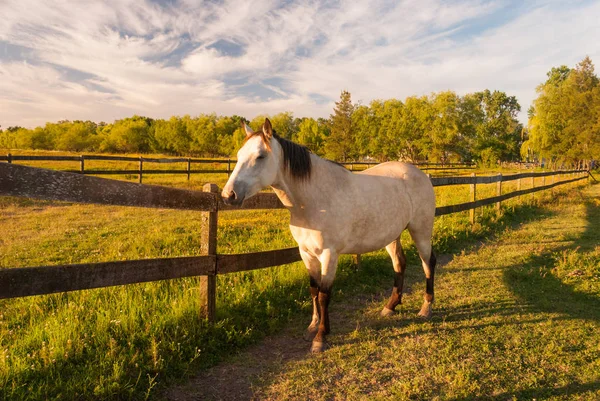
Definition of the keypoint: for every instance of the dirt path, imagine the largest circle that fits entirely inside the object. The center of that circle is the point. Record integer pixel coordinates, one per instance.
(238, 378)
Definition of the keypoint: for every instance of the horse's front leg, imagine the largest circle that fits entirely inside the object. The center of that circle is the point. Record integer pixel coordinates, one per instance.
(328, 268)
(313, 265)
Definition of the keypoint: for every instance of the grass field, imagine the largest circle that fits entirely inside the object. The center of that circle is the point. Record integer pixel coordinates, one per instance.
(517, 317)
(127, 342)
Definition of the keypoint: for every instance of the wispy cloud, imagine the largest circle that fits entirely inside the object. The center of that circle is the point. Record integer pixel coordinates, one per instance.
(110, 59)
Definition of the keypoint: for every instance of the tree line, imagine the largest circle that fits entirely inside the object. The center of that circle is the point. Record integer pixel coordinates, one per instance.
(441, 127)
(477, 127)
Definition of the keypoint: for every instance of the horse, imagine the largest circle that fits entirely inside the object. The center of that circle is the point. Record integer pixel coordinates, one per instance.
(334, 211)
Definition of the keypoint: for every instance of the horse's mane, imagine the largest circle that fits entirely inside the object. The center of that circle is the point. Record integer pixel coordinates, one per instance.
(296, 158)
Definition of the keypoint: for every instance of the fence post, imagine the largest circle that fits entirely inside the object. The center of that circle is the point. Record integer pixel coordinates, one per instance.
(499, 190)
(533, 186)
(357, 259)
(519, 184)
(208, 284)
(9, 158)
(140, 169)
(82, 164)
(189, 167)
(473, 198)
(351, 166)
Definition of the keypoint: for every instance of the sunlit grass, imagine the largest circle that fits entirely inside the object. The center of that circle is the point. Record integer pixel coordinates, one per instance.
(123, 342)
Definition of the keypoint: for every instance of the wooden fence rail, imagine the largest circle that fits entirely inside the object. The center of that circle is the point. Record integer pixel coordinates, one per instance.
(140, 172)
(30, 182)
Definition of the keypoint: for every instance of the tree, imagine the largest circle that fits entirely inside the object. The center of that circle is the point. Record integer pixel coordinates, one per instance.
(133, 134)
(489, 126)
(78, 136)
(311, 133)
(443, 132)
(564, 122)
(338, 145)
(284, 124)
(172, 136)
(202, 134)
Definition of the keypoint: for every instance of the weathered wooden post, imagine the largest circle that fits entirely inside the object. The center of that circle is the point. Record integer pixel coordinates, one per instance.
(533, 186)
(499, 190)
(228, 167)
(356, 260)
(208, 284)
(189, 167)
(140, 169)
(9, 158)
(82, 164)
(473, 198)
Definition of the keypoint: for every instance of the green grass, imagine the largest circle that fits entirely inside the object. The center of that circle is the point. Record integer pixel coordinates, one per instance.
(127, 342)
(517, 317)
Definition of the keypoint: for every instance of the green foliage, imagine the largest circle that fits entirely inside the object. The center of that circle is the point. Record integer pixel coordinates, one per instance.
(127, 135)
(564, 122)
(442, 127)
(312, 133)
(338, 145)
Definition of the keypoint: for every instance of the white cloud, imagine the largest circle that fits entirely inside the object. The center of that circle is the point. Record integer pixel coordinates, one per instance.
(107, 60)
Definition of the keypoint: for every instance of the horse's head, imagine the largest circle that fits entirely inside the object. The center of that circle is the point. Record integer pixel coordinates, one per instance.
(256, 168)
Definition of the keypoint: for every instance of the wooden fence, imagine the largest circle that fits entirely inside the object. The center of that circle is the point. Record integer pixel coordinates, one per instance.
(30, 182)
(220, 166)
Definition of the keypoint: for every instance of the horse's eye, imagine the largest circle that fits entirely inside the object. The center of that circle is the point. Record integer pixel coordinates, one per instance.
(260, 157)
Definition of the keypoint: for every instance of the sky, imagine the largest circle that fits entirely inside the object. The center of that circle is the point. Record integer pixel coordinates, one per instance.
(105, 60)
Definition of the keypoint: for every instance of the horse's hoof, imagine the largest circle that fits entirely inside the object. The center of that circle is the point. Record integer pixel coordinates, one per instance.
(310, 333)
(425, 312)
(318, 347)
(387, 312)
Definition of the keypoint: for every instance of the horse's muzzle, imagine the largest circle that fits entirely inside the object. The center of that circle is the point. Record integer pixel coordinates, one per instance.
(230, 197)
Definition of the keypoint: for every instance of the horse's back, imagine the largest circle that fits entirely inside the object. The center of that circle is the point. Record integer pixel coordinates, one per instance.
(395, 169)
(411, 175)
(417, 183)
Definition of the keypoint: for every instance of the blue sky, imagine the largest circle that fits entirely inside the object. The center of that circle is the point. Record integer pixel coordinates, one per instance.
(104, 60)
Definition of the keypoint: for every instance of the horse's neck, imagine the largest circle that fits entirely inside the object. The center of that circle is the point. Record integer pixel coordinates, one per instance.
(303, 198)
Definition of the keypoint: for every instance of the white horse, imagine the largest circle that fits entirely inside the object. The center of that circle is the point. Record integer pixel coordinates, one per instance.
(334, 212)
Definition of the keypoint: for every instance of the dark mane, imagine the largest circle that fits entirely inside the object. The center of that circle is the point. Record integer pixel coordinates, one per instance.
(296, 158)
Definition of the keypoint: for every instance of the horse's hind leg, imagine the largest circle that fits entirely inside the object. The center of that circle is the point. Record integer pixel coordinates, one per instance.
(399, 262)
(421, 235)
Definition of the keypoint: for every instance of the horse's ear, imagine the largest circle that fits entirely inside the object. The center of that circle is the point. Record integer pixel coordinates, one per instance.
(247, 129)
(267, 129)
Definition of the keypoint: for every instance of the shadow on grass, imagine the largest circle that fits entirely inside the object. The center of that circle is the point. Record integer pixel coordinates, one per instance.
(534, 282)
(539, 393)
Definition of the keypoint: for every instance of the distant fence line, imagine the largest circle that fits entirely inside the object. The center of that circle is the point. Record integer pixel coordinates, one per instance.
(30, 182)
(229, 163)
